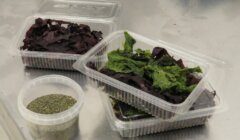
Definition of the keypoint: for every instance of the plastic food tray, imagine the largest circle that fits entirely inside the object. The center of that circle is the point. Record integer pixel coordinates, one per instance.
(203, 111)
(133, 96)
(100, 16)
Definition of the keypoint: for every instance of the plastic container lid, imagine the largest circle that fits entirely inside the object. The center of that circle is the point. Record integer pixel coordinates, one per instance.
(98, 9)
(51, 84)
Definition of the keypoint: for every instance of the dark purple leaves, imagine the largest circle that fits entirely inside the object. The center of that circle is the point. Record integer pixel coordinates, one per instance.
(91, 65)
(180, 63)
(60, 36)
(192, 79)
(158, 52)
(165, 58)
(129, 79)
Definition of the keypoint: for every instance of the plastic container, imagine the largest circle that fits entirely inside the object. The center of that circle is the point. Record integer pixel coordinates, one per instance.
(131, 95)
(100, 16)
(205, 106)
(63, 125)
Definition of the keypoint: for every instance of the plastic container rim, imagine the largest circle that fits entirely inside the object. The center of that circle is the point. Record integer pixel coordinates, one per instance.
(51, 119)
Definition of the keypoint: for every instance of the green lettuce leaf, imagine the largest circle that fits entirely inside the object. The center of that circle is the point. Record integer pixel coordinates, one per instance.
(146, 53)
(118, 62)
(164, 72)
(168, 77)
(129, 42)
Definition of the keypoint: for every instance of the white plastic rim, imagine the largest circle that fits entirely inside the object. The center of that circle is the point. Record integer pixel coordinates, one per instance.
(51, 119)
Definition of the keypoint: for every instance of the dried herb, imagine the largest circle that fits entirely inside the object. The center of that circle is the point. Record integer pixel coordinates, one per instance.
(157, 73)
(60, 36)
(51, 104)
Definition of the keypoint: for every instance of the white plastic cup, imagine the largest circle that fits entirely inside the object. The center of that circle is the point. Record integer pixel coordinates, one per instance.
(58, 126)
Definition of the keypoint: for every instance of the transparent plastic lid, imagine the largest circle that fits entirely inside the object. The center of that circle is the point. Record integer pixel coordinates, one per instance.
(81, 8)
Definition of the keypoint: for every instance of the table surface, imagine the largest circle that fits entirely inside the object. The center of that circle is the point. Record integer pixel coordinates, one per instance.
(210, 27)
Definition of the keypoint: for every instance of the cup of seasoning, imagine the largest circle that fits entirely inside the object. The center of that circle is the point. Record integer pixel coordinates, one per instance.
(51, 105)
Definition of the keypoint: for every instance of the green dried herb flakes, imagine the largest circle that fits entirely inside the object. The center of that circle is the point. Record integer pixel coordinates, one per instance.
(51, 104)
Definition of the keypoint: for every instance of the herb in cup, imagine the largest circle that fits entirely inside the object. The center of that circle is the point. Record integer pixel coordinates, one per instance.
(52, 103)
(50, 106)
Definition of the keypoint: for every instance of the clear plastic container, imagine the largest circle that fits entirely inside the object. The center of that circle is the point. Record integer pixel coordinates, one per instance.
(131, 95)
(204, 108)
(63, 125)
(100, 16)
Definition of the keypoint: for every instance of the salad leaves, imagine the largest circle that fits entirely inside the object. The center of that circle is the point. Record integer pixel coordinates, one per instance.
(129, 42)
(157, 67)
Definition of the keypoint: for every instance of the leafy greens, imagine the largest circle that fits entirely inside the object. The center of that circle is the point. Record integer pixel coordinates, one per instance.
(158, 68)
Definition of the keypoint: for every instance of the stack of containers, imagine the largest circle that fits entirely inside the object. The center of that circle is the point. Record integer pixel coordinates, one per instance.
(99, 16)
(172, 115)
(127, 126)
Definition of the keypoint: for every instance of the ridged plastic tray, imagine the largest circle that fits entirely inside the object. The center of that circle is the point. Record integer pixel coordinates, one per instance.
(131, 95)
(99, 16)
(207, 104)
